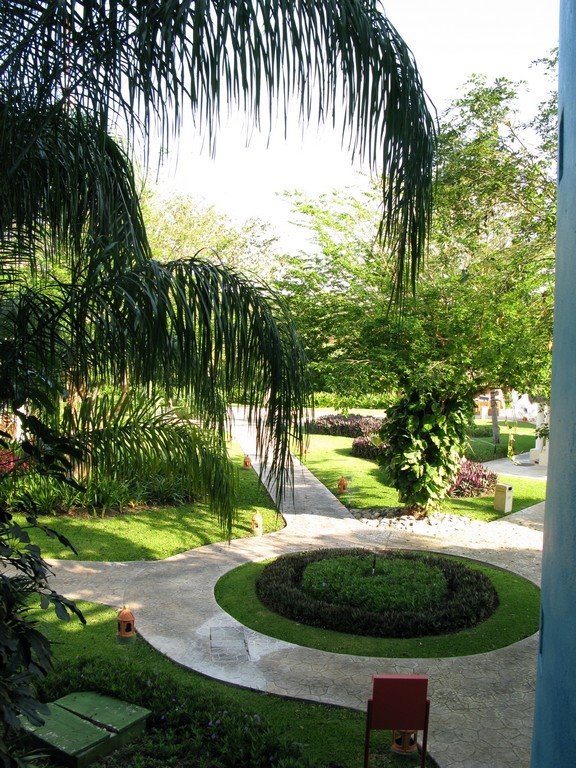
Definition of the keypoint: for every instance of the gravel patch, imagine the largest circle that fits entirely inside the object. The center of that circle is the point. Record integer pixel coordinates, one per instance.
(395, 518)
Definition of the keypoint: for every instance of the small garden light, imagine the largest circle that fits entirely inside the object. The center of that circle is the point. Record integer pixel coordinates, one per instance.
(247, 463)
(342, 485)
(126, 628)
(256, 523)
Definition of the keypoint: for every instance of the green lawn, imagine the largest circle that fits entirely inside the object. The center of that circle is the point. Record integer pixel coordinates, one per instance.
(329, 458)
(158, 532)
(483, 449)
(90, 656)
(517, 617)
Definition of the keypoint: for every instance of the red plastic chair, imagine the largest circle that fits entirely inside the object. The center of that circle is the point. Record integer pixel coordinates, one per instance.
(398, 703)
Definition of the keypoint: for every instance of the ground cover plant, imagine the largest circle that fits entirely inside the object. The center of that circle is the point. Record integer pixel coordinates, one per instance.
(516, 617)
(350, 425)
(473, 479)
(152, 533)
(329, 458)
(252, 725)
(389, 594)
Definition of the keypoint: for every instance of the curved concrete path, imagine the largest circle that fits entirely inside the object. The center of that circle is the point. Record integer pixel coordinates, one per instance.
(481, 706)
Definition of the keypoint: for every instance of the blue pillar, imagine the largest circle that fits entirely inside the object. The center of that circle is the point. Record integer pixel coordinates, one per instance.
(554, 740)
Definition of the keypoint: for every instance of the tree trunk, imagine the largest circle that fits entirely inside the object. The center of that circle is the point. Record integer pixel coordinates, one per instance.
(495, 427)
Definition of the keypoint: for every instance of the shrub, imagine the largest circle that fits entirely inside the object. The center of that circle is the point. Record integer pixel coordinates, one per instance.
(366, 448)
(359, 400)
(375, 583)
(425, 434)
(186, 729)
(473, 479)
(469, 598)
(352, 425)
(12, 462)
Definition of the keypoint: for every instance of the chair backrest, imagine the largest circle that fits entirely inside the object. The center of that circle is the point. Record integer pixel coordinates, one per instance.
(399, 702)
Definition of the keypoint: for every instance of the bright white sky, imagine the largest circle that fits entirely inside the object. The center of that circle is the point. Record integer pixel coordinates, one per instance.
(451, 39)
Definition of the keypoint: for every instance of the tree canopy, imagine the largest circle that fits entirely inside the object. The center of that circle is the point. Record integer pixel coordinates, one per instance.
(482, 312)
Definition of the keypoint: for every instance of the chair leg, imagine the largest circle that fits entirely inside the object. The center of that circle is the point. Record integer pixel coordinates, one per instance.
(425, 737)
(367, 736)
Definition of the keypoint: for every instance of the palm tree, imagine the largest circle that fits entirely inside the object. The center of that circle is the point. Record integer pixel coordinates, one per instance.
(82, 299)
(74, 73)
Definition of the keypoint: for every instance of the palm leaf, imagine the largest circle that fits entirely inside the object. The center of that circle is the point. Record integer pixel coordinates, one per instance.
(68, 191)
(130, 433)
(135, 64)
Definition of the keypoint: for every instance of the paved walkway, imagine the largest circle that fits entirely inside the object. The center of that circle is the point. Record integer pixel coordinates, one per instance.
(481, 706)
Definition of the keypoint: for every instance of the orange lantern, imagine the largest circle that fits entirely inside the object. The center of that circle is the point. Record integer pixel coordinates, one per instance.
(342, 485)
(247, 463)
(404, 742)
(126, 628)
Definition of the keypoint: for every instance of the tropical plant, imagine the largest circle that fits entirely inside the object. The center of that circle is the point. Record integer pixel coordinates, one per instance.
(473, 479)
(82, 301)
(425, 437)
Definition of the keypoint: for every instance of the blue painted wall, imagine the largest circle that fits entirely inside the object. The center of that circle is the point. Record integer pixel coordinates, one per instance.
(554, 740)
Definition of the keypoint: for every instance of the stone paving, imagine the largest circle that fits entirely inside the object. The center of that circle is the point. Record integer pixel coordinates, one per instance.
(481, 706)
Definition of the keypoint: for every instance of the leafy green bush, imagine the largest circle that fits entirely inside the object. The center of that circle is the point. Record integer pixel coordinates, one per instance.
(353, 425)
(468, 599)
(360, 400)
(425, 434)
(186, 729)
(473, 479)
(367, 448)
(375, 583)
(44, 494)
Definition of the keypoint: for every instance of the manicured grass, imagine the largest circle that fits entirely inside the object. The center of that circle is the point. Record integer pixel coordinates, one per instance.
(329, 458)
(483, 449)
(158, 532)
(516, 617)
(332, 736)
(525, 493)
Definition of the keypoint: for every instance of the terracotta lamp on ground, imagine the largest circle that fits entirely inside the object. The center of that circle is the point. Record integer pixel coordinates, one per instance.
(126, 629)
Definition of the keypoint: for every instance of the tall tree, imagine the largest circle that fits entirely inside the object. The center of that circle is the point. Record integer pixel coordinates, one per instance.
(81, 298)
(483, 308)
(181, 227)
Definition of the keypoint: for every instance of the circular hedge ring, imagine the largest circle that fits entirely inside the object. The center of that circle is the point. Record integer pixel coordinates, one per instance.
(466, 599)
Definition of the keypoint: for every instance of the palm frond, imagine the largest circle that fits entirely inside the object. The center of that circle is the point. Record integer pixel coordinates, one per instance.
(203, 332)
(130, 433)
(134, 63)
(189, 329)
(67, 190)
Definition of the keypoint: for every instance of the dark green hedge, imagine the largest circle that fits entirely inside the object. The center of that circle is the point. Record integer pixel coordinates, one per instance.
(470, 598)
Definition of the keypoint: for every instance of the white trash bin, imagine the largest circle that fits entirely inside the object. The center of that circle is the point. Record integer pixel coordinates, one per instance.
(503, 498)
